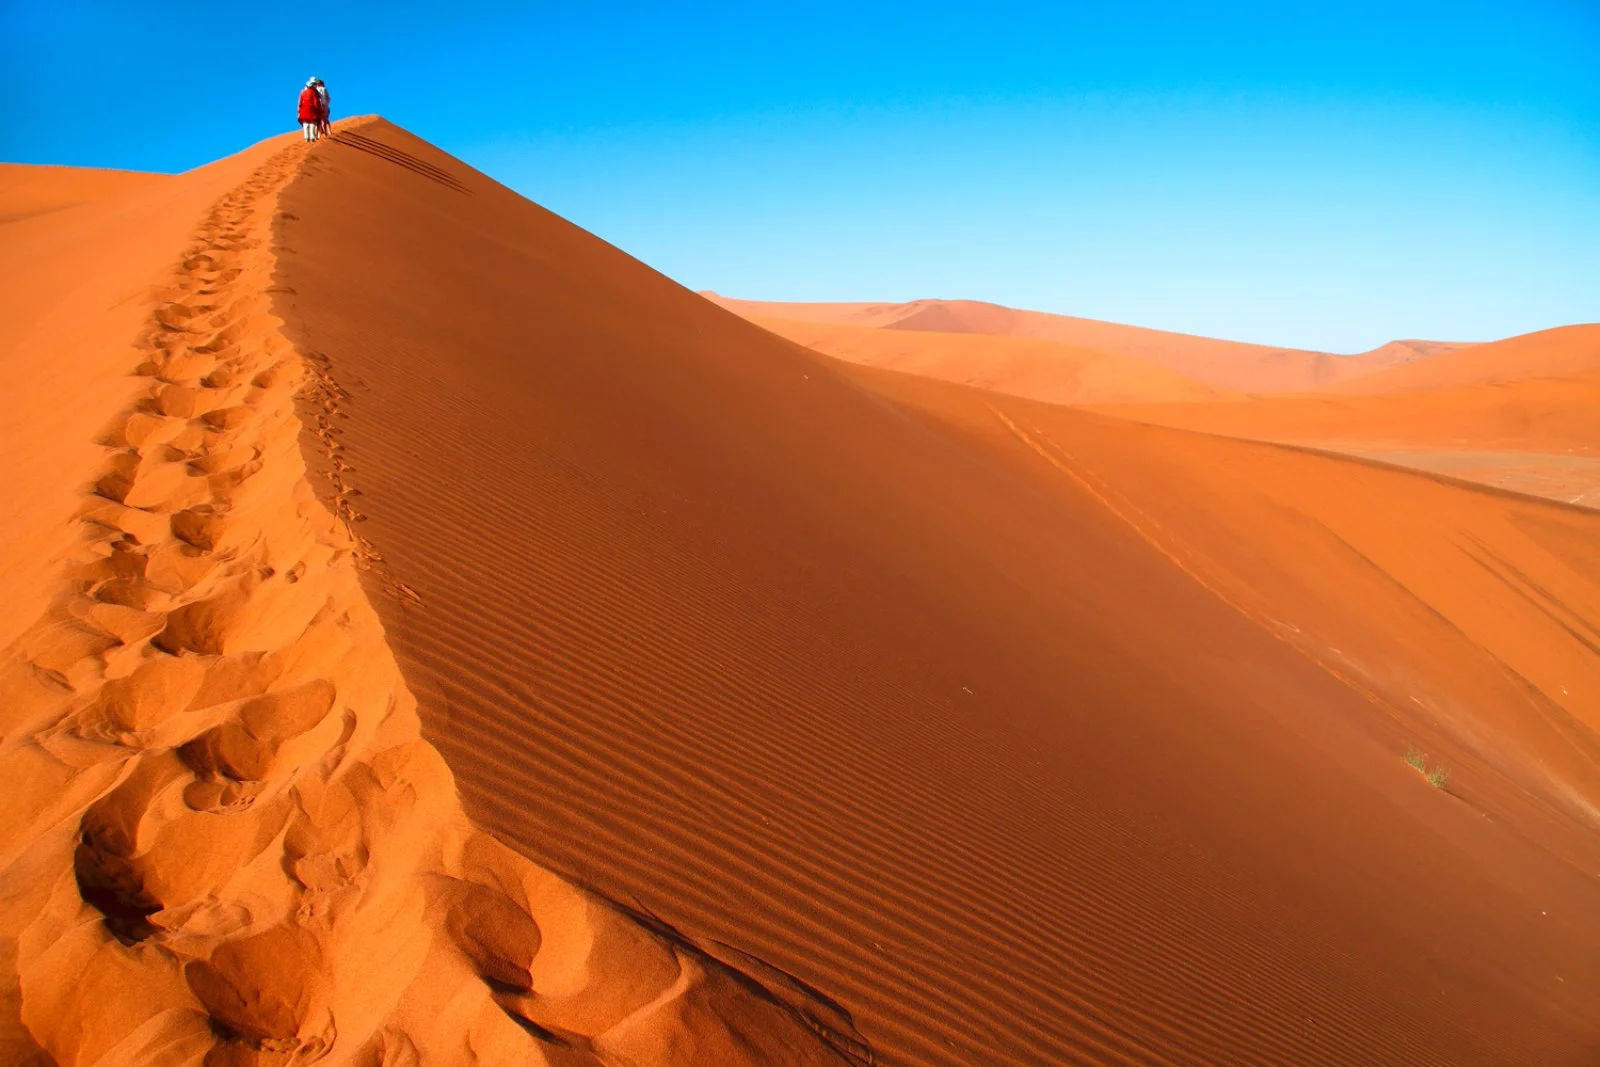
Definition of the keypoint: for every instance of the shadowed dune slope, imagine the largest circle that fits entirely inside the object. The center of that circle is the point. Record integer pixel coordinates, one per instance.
(32, 189)
(1228, 365)
(841, 670)
(1019, 366)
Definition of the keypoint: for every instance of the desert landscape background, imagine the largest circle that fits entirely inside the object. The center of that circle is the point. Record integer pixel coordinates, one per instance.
(434, 636)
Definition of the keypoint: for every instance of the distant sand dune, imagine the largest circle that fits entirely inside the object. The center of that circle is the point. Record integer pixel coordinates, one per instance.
(1224, 365)
(1521, 414)
(27, 189)
(1564, 352)
(1020, 366)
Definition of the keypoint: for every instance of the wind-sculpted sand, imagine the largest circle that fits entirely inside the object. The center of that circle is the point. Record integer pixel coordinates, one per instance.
(1026, 735)
(1018, 366)
(27, 190)
(222, 839)
(802, 712)
(1521, 415)
(1232, 366)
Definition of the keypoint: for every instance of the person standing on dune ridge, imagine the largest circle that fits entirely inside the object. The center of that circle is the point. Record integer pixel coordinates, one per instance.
(326, 125)
(310, 110)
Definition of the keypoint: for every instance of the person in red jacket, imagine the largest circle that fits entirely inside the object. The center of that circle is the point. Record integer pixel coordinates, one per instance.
(311, 110)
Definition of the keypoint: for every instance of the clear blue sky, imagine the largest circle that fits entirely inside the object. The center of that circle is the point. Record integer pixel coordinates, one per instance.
(1327, 176)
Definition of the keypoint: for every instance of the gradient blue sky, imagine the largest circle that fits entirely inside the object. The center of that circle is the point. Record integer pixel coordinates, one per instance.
(1327, 176)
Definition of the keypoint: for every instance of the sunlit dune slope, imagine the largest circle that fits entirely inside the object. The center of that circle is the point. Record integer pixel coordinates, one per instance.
(1466, 615)
(858, 677)
(1020, 366)
(1521, 414)
(1404, 353)
(1552, 415)
(1564, 352)
(31, 189)
(77, 290)
(1227, 365)
(222, 840)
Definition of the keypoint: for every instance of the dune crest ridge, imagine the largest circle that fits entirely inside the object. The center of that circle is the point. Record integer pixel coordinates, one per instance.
(32, 189)
(826, 662)
(1229, 366)
(223, 839)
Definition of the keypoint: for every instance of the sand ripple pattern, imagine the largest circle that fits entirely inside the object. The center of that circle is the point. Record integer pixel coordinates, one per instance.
(222, 840)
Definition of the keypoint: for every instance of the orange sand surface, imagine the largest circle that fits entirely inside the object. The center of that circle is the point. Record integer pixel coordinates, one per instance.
(223, 840)
(1227, 365)
(27, 189)
(801, 711)
(871, 690)
(1019, 366)
(1521, 414)
(1562, 353)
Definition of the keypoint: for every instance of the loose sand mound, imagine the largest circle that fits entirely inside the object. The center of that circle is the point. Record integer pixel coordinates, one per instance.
(1018, 366)
(1226, 365)
(222, 839)
(27, 190)
(985, 718)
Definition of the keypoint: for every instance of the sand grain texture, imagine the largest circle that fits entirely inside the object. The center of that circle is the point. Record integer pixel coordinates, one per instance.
(976, 715)
(223, 840)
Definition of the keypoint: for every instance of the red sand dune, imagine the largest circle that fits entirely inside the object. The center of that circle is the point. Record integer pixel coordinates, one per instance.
(27, 189)
(222, 839)
(1020, 366)
(1564, 352)
(1227, 365)
(1521, 414)
(871, 691)
(882, 717)
(1551, 415)
(78, 287)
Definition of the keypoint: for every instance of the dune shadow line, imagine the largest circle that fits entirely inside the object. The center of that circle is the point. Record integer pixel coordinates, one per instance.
(400, 158)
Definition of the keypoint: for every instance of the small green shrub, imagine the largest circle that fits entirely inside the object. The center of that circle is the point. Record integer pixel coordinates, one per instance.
(1437, 776)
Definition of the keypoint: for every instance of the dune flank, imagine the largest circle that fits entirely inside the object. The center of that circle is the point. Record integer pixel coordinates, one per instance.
(1225, 365)
(32, 189)
(1019, 366)
(1023, 734)
(1521, 414)
(223, 840)
(1562, 353)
